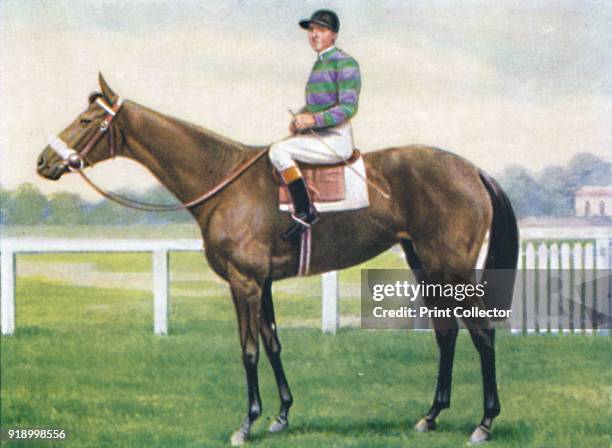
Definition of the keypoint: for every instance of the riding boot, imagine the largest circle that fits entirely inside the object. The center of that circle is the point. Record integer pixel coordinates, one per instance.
(305, 214)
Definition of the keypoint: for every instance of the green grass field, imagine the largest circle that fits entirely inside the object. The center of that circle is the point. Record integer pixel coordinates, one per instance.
(84, 359)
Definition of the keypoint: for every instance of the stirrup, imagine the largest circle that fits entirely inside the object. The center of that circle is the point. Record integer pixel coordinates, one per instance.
(300, 224)
(296, 229)
(306, 224)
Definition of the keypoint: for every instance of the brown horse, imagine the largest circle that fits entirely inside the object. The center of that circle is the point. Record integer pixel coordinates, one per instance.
(440, 210)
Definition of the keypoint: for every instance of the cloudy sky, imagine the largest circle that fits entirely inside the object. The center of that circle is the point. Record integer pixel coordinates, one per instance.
(497, 82)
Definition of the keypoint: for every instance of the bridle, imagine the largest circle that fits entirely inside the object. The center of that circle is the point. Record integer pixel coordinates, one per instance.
(75, 161)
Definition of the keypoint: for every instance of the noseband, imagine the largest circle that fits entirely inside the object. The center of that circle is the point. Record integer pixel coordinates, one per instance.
(76, 160)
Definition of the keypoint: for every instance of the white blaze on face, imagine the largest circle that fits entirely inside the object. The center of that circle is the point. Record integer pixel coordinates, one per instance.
(60, 147)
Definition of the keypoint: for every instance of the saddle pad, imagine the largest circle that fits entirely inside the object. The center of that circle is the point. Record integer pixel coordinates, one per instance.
(325, 184)
(355, 191)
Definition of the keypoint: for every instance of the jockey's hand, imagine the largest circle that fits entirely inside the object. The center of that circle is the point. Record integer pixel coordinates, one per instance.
(304, 121)
(292, 129)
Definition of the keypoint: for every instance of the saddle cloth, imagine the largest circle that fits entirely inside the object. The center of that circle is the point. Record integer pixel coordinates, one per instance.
(333, 187)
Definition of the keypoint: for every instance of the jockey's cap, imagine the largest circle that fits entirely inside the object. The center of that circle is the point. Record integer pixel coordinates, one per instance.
(323, 17)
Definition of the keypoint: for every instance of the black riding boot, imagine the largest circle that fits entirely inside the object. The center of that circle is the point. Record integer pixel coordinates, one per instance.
(305, 214)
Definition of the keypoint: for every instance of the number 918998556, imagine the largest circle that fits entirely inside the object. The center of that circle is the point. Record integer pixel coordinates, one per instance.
(31, 433)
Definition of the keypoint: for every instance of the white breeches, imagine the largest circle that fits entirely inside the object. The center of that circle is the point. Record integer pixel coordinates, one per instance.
(310, 149)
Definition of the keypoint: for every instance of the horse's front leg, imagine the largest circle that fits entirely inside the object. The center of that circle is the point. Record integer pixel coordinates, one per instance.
(246, 293)
(273, 350)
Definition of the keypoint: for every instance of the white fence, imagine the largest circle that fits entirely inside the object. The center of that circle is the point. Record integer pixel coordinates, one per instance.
(159, 249)
(566, 250)
(563, 283)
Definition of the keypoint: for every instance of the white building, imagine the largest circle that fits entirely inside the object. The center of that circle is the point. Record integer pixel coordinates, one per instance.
(594, 201)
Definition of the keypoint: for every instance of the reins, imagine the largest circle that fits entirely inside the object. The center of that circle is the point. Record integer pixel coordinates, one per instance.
(76, 163)
(147, 207)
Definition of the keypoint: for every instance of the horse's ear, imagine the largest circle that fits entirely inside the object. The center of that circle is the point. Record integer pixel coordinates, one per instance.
(106, 90)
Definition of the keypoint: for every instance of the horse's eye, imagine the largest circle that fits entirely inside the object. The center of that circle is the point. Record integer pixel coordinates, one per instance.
(85, 121)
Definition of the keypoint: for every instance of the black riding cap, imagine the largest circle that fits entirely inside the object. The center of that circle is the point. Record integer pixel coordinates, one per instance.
(322, 17)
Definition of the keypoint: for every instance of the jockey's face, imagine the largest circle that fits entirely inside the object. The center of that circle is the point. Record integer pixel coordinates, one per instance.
(320, 38)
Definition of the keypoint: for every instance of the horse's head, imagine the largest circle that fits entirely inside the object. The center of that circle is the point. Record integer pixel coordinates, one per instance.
(83, 142)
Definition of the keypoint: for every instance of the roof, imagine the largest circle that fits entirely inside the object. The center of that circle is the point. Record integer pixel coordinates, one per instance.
(593, 190)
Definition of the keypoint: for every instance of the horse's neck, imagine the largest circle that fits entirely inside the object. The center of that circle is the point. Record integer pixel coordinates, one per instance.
(186, 159)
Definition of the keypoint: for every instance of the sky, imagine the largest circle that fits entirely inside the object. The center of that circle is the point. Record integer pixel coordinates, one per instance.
(497, 82)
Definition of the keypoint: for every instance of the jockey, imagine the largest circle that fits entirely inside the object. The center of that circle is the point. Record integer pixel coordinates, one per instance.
(332, 93)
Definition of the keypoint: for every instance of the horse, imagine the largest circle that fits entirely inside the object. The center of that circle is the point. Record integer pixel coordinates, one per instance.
(439, 210)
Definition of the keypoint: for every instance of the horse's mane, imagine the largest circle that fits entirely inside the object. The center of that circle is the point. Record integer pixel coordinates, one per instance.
(200, 132)
(196, 131)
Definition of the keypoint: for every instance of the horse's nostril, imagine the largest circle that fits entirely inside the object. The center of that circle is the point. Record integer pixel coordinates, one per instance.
(41, 161)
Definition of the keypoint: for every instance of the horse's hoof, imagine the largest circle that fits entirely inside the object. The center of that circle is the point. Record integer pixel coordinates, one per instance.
(480, 435)
(239, 438)
(425, 425)
(278, 425)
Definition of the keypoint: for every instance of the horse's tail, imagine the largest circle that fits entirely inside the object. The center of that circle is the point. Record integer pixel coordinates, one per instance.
(502, 255)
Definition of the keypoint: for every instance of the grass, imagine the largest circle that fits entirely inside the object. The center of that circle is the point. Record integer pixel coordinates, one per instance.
(84, 359)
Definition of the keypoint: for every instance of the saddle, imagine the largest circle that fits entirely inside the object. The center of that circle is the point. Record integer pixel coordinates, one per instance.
(326, 182)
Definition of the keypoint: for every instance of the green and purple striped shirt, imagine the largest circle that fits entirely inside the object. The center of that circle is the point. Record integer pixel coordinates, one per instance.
(332, 91)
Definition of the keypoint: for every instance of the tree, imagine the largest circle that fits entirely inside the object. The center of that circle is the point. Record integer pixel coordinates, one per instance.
(524, 191)
(65, 208)
(160, 195)
(28, 206)
(557, 191)
(106, 212)
(5, 199)
(588, 169)
(553, 190)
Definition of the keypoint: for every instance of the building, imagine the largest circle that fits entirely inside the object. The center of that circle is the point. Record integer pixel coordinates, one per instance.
(593, 201)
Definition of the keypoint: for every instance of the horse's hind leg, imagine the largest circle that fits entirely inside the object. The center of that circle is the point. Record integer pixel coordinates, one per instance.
(273, 350)
(411, 256)
(446, 330)
(483, 337)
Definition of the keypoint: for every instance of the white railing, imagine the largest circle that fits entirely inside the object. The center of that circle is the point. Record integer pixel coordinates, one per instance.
(557, 288)
(591, 247)
(10, 247)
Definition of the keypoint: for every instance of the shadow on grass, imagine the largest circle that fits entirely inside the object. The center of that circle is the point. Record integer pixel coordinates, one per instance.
(516, 431)
(504, 432)
(33, 330)
(346, 429)
(201, 327)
